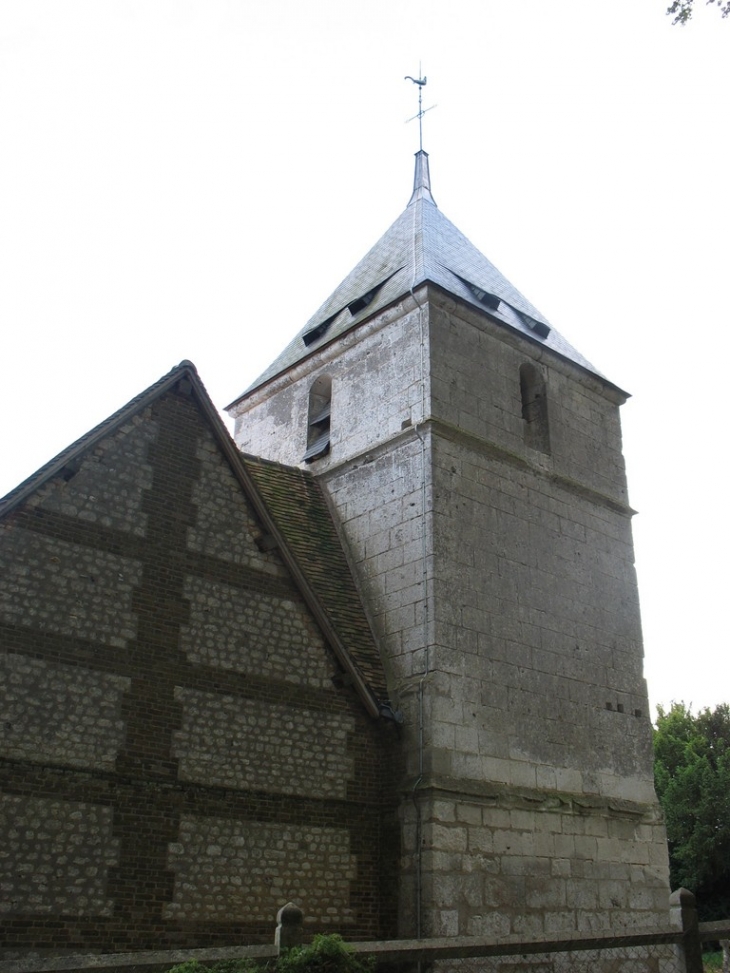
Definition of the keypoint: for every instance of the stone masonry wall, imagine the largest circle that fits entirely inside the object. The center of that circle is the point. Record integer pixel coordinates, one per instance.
(538, 627)
(534, 566)
(536, 708)
(510, 864)
(377, 469)
(500, 581)
(475, 383)
(175, 761)
(376, 374)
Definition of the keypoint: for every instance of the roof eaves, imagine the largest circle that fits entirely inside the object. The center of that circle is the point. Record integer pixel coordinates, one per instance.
(387, 299)
(553, 342)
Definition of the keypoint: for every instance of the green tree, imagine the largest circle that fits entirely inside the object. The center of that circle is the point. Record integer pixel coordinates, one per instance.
(692, 776)
(681, 10)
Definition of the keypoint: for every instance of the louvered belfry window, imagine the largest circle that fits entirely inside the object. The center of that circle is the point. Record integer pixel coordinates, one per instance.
(319, 419)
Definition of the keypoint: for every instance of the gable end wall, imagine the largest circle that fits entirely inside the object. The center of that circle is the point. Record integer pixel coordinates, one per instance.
(176, 763)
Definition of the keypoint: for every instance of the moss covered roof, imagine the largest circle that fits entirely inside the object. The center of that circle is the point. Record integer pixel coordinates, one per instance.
(298, 505)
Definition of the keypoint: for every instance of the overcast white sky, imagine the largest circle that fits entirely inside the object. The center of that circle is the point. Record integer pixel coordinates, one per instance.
(192, 178)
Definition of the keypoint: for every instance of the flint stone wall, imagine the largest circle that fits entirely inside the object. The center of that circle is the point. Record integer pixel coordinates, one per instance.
(171, 731)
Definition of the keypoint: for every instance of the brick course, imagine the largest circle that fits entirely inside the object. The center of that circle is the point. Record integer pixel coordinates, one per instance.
(173, 741)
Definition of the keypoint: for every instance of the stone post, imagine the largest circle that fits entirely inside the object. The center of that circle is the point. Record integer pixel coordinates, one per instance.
(683, 913)
(289, 927)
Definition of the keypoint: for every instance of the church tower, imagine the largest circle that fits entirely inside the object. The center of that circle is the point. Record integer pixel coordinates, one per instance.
(473, 460)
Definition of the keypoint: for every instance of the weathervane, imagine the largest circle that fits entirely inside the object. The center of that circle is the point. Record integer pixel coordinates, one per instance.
(420, 82)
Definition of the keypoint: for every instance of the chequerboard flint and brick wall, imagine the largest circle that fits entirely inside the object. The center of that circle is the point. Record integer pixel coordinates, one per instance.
(180, 753)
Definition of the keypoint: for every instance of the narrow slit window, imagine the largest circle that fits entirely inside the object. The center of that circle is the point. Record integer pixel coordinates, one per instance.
(319, 419)
(534, 408)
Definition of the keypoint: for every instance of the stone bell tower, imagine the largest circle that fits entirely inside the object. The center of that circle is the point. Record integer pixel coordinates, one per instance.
(473, 460)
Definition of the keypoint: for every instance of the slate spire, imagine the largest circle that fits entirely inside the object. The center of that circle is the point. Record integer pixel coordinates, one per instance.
(422, 179)
(421, 246)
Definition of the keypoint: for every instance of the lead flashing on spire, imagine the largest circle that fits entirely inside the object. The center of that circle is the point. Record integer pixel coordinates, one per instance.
(422, 179)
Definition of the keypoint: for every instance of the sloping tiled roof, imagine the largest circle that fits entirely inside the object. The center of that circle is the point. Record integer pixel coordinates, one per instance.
(422, 245)
(292, 508)
(296, 502)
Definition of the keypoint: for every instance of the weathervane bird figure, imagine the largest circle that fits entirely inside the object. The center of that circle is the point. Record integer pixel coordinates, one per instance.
(420, 82)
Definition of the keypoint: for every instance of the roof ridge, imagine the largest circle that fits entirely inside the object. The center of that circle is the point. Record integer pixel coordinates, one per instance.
(265, 461)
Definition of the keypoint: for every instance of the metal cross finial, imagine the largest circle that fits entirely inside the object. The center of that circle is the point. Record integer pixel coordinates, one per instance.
(421, 111)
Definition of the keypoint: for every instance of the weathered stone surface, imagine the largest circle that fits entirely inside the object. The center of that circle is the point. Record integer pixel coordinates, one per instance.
(121, 457)
(60, 714)
(500, 579)
(257, 745)
(56, 585)
(55, 857)
(253, 631)
(229, 870)
(225, 526)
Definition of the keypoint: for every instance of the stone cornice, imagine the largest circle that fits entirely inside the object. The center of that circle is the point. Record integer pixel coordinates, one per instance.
(499, 453)
(528, 799)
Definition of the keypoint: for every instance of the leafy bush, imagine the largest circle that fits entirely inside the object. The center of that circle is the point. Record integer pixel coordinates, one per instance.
(712, 961)
(325, 954)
